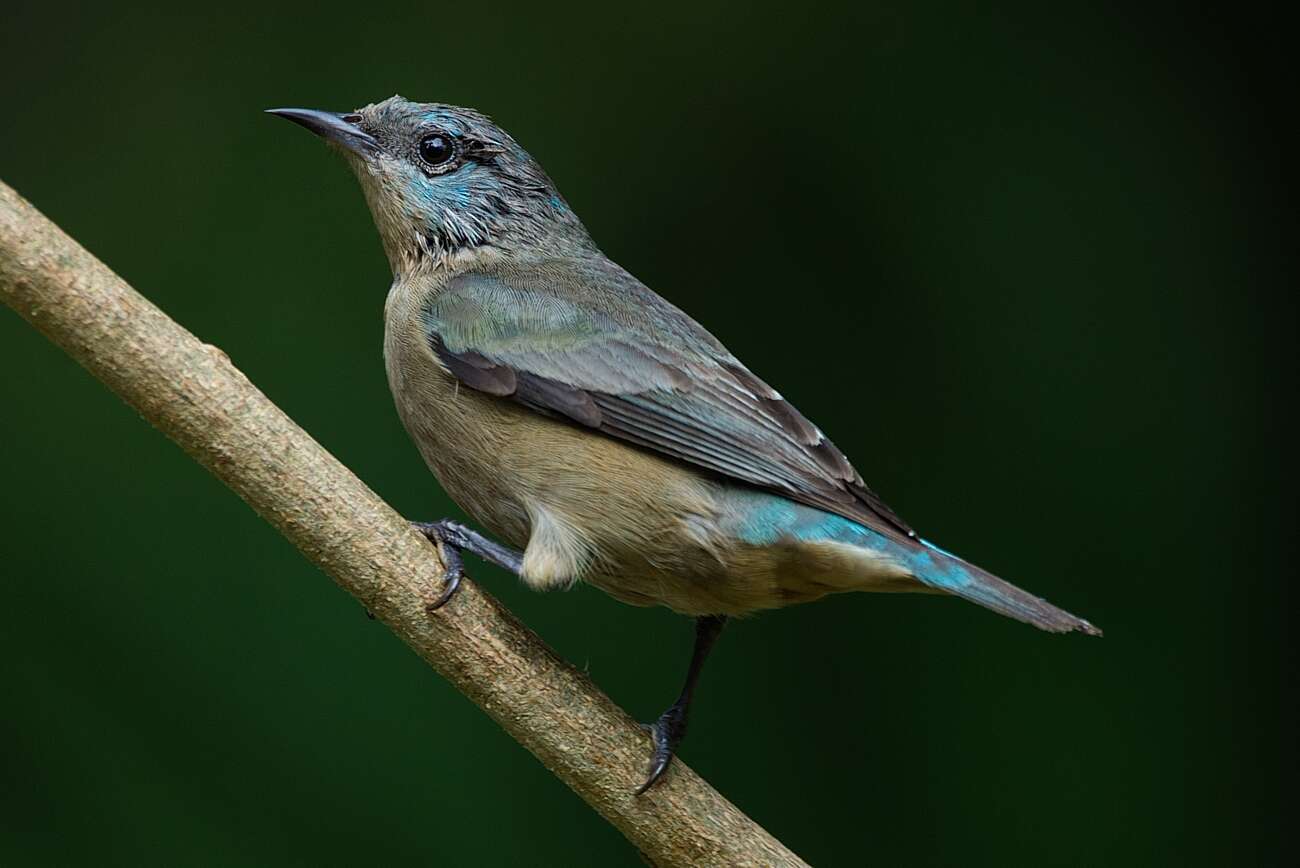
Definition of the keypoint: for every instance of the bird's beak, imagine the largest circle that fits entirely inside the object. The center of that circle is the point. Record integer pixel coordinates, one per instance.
(331, 126)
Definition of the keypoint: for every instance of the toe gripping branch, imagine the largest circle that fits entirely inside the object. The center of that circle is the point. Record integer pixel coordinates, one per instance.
(453, 538)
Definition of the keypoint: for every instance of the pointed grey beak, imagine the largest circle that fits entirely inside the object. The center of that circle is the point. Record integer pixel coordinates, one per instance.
(331, 126)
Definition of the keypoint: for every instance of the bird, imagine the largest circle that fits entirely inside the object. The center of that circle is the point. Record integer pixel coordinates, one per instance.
(598, 432)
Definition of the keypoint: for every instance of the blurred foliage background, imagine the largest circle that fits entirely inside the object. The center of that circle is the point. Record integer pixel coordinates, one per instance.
(1025, 265)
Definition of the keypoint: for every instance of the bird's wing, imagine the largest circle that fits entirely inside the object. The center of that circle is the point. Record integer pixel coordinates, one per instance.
(594, 347)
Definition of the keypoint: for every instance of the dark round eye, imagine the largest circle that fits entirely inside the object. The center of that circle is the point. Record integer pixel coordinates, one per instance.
(436, 149)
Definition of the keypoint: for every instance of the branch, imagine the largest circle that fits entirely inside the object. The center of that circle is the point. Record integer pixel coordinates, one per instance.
(192, 393)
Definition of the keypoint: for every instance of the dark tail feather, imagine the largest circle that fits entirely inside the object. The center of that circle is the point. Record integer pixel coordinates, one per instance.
(943, 571)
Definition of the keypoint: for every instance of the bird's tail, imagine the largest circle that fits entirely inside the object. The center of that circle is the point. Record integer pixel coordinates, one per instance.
(938, 569)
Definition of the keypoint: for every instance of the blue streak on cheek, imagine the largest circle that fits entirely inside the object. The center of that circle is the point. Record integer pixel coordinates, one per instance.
(455, 191)
(459, 194)
(437, 195)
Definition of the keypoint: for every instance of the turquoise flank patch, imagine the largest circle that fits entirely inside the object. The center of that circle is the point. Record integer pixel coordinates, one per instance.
(765, 519)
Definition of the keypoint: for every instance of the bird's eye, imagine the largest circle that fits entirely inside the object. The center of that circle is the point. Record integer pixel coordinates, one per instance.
(437, 149)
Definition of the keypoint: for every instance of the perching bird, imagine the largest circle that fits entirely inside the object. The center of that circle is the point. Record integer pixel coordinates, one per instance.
(592, 425)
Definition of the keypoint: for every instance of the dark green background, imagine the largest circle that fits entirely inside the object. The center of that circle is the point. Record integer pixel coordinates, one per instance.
(1025, 266)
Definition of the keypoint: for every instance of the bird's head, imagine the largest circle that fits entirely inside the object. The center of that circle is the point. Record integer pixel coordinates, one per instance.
(442, 180)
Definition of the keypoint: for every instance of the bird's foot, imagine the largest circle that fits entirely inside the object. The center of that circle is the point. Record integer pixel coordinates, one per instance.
(452, 538)
(445, 538)
(667, 732)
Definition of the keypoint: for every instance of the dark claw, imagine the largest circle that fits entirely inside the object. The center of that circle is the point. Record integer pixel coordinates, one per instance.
(667, 733)
(451, 559)
(453, 585)
(451, 539)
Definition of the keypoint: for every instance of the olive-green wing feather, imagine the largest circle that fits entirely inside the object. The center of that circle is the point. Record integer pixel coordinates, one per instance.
(587, 343)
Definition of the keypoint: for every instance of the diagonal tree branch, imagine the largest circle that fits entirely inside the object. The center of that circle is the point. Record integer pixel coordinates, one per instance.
(192, 393)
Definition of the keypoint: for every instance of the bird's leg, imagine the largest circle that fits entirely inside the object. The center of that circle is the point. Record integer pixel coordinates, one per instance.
(669, 730)
(455, 538)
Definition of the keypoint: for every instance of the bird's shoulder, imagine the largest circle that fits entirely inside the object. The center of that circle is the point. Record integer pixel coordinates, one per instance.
(572, 298)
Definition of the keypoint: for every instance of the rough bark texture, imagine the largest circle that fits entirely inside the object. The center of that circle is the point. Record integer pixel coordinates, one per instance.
(192, 393)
